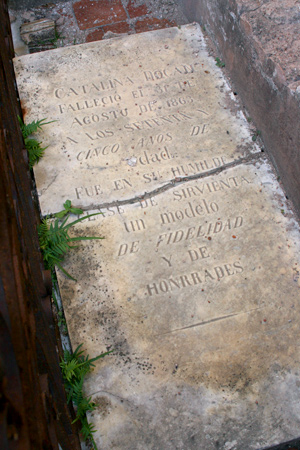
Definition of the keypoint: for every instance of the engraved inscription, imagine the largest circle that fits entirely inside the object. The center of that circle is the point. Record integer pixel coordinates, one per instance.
(202, 276)
(158, 122)
(96, 118)
(98, 152)
(135, 225)
(148, 158)
(88, 104)
(157, 74)
(144, 125)
(198, 166)
(189, 212)
(91, 88)
(157, 139)
(128, 248)
(206, 229)
(90, 191)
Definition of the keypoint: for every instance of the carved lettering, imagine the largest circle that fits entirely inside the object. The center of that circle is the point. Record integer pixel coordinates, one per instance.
(98, 152)
(128, 248)
(88, 104)
(210, 186)
(137, 94)
(100, 134)
(121, 184)
(164, 155)
(148, 202)
(184, 84)
(135, 225)
(198, 166)
(150, 106)
(90, 191)
(185, 69)
(152, 140)
(200, 253)
(194, 278)
(114, 210)
(91, 89)
(191, 211)
(157, 122)
(179, 101)
(72, 140)
(96, 118)
(167, 260)
(198, 129)
(156, 75)
(199, 231)
(152, 176)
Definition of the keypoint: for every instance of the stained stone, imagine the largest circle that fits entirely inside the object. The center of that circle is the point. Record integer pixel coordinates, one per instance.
(196, 284)
(132, 114)
(197, 291)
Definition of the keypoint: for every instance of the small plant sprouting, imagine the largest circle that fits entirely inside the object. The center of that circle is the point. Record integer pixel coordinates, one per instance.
(256, 135)
(74, 369)
(219, 63)
(57, 37)
(55, 241)
(69, 209)
(53, 41)
(33, 147)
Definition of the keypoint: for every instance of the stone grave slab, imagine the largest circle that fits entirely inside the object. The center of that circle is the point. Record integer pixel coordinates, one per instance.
(197, 290)
(132, 114)
(196, 284)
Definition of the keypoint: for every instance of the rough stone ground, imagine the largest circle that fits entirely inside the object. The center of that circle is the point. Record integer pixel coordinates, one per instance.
(276, 26)
(86, 21)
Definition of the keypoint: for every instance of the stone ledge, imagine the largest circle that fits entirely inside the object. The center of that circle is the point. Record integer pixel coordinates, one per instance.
(268, 89)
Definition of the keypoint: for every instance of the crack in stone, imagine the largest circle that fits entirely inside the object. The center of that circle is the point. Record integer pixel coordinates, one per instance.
(177, 181)
(172, 183)
(206, 322)
(244, 10)
(50, 183)
(109, 394)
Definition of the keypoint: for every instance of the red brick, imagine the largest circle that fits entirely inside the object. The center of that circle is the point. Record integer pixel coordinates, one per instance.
(136, 11)
(95, 35)
(121, 27)
(151, 23)
(92, 13)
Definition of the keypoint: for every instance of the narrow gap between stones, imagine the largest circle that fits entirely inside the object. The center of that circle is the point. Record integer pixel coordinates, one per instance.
(172, 183)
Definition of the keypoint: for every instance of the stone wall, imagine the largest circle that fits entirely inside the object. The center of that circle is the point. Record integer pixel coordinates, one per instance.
(259, 47)
(26, 4)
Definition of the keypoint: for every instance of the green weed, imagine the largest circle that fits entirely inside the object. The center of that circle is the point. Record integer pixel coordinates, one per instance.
(256, 135)
(57, 37)
(33, 147)
(219, 63)
(54, 42)
(74, 369)
(68, 209)
(55, 241)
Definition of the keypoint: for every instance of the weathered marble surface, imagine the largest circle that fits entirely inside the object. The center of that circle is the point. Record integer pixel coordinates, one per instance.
(132, 114)
(197, 290)
(196, 284)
